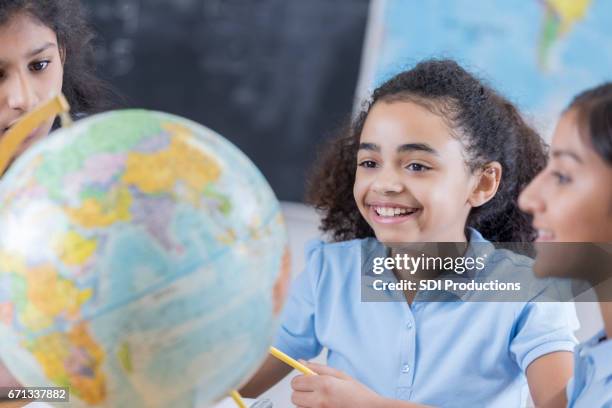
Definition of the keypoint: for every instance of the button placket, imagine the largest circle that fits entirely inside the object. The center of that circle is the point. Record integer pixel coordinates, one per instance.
(407, 361)
(411, 362)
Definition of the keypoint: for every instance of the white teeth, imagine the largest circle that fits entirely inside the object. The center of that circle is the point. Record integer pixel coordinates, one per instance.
(545, 234)
(391, 211)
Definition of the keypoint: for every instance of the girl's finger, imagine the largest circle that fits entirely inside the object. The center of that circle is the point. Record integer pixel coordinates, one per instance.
(304, 383)
(325, 370)
(303, 399)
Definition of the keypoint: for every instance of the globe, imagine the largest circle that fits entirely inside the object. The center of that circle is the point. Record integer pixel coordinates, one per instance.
(143, 262)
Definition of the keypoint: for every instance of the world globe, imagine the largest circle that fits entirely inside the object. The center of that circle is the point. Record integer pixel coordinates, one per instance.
(143, 262)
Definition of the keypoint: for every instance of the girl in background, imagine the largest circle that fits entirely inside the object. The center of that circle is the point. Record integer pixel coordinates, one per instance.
(45, 49)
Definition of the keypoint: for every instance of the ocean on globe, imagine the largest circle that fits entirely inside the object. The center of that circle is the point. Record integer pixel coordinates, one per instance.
(143, 262)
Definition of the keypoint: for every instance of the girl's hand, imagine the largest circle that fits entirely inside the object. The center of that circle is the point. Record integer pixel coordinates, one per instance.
(331, 389)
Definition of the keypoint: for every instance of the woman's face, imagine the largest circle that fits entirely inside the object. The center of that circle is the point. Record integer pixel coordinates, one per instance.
(412, 183)
(571, 202)
(31, 71)
(571, 199)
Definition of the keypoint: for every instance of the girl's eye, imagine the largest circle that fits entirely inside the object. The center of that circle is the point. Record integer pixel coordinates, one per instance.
(418, 167)
(38, 66)
(369, 164)
(562, 179)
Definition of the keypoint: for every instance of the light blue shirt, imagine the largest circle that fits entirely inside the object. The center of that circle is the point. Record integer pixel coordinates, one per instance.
(448, 354)
(592, 382)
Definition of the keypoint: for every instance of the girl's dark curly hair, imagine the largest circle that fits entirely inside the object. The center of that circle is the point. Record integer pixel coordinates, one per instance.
(83, 90)
(489, 126)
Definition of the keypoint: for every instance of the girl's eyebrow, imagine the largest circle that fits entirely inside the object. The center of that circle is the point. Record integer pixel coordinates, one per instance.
(566, 153)
(35, 51)
(419, 147)
(40, 49)
(408, 147)
(369, 146)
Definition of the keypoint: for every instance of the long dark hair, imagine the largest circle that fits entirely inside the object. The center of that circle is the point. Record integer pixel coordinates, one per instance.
(489, 126)
(84, 91)
(594, 108)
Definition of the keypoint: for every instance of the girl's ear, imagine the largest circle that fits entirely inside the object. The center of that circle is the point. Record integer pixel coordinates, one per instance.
(487, 183)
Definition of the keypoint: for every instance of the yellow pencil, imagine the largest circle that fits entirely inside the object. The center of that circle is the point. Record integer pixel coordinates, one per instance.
(293, 363)
(13, 139)
(237, 399)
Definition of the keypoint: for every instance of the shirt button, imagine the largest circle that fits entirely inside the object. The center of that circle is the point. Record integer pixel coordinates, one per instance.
(409, 325)
(405, 369)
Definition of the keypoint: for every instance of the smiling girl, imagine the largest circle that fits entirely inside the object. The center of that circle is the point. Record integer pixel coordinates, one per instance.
(45, 49)
(571, 202)
(436, 156)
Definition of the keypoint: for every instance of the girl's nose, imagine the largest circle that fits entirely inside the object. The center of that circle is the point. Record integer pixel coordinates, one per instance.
(21, 95)
(530, 200)
(388, 183)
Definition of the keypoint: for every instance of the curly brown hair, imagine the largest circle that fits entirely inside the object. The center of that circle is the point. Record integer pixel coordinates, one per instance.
(84, 91)
(489, 126)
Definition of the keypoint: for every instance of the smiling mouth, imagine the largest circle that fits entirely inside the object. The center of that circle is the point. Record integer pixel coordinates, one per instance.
(545, 235)
(391, 213)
